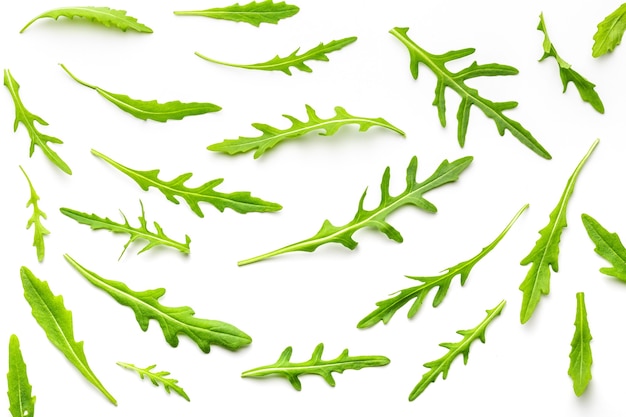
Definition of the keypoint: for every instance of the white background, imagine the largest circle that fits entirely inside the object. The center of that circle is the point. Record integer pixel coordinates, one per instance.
(302, 299)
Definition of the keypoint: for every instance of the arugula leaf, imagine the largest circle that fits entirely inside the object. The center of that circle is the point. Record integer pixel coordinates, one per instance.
(151, 110)
(610, 32)
(545, 253)
(154, 239)
(240, 201)
(284, 368)
(28, 120)
(173, 320)
(35, 220)
(580, 356)
(56, 321)
(469, 96)
(253, 13)
(21, 402)
(585, 87)
(169, 384)
(294, 60)
(102, 15)
(462, 347)
(387, 308)
(272, 136)
(413, 195)
(609, 246)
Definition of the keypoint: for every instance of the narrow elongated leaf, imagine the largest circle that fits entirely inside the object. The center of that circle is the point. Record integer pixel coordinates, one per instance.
(284, 368)
(173, 320)
(387, 308)
(469, 96)
(585, 88)
(441, 366)
(28, 120)
(154, 239)
(610, 32)
(293, 60)
(253, 13)
(413, 195)
(56, 321)
(580, 356)
(545, 253)
(169, 384)
(101, 15)
(240, 201)
(609, 246)
(35, 220)
(21, 401)
(150, 110)
(272, 136)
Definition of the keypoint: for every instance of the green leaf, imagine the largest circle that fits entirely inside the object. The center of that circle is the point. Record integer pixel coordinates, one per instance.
(151, 110)
(21, 401)
(610, 32)
(102, 15)
(580, 356)
(173, 320)
(545, 253)
(294, 60)
(169, 384)
(272, 136)
(240, 201)
(284, 368)
(28, 120)
(585, 87)
(413, 195)
(609, 246)
(35, 220)
(253, 13)
(469, 96)
(441, 366)
(56, 321)
(154, 239)
(387, 308)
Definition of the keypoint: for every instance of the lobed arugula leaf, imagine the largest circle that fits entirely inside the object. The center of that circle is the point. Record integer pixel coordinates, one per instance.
(51, 314)
(545, 253)
(284, 368)
(413, 195)
(169, 384)
(272, 136)
(610, 32)
(35, 220)
(253, 13)
(441, 366)
(609, 246)
(102, 15)
(293, 60)
(21, 401)
(173, 320)
(387, 308)
(580, 356)
(469, 96)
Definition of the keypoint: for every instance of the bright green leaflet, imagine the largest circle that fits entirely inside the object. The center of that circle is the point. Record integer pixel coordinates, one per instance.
(154, 239)
(545, 253)
(284, 368)
(469, 96)
(253, 13)
(102, 15)
(610, 32)
(609, 246)
(441, 366)
(169, 384)
(447, 172)
(173, 320)
(580, 356)
(294, 60)
(272, 136)
(585, 87)
(387, 308)
(151, 110)
(28, 120)
(240, 201)
(56, 321)
(21, 401)
(35, 220)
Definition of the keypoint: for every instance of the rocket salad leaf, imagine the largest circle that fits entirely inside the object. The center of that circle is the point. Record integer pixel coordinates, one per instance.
(253, 13)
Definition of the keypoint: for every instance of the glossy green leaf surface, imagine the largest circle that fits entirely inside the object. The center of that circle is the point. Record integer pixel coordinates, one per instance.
(100, 15)
(253, 13)
(21, 400)
(580, 356)
(609, 246)
(610, 32)
(157, 378)
(35, 220)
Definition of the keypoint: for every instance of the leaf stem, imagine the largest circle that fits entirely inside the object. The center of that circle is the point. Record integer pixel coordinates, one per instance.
(93, 87)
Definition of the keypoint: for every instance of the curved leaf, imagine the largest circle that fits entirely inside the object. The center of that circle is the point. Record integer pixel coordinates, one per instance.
(253, 13)
(102, 15)
(35, 220)
(609, 246)
(169, 384)
(610, 32)
(21, 401)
